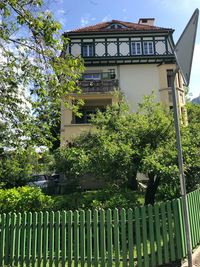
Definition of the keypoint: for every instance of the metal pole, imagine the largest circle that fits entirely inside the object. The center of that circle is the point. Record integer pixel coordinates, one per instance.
(181, 171)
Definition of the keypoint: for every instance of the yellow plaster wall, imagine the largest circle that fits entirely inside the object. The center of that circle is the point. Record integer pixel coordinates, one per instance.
(137, 81)
(69, 130)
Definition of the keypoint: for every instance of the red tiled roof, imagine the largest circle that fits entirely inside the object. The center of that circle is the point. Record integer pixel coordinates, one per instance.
(129, 26)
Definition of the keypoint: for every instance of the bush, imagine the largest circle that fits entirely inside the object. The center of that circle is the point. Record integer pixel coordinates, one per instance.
(111, 197)
(24, 199)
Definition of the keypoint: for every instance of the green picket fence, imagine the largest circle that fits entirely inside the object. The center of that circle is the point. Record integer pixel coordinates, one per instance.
(145, 236)
(194, 216)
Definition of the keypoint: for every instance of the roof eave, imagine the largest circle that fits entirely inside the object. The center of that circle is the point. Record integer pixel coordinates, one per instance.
(71, 33)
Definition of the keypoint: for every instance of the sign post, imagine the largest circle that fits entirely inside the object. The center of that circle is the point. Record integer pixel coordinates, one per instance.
(183, 52)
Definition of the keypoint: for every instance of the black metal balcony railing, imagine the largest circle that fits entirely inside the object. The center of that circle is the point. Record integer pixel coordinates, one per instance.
(98, 86)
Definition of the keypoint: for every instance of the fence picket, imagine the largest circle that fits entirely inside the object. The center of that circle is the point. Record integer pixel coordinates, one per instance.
(151, 224)
(144, 235)
(28, 238)
(158, 235)
(23, 238)
(96, 237)
(64, 238)
(190, 213)
(164, 232)
(102, 238)
(12, 238)
(116, 237)
(76, 238)
(57, 238)
(17, 241)
(89, 237)
(177, 229)
(193, 218)
(34, 238)
(40, 243)
(70, 233)
(82, 237)
(170, 231)
(2, 238)
(138, 237)
(130, 238)
(180, 222)
(46, 238)
(109, 236)
(123, 237)
(196, 218)
(51, 238)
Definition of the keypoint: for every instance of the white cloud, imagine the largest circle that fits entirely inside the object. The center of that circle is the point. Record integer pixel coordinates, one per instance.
(195, 73)
(61, 11)
(107, 18)
(84, 22)
(87, 19)
(124, 10)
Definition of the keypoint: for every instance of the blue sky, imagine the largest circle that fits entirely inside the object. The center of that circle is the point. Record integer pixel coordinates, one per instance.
(73, 14)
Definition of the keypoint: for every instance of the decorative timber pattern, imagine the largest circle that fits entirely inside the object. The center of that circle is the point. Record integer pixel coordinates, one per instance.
(143, 236)
(137, 49)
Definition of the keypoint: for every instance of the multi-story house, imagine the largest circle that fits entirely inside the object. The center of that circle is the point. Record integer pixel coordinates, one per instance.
(135, 58)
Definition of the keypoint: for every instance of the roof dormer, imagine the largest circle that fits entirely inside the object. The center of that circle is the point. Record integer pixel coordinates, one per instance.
(116, 26)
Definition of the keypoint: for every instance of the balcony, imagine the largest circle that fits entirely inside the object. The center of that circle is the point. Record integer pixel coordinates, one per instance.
(98, 86)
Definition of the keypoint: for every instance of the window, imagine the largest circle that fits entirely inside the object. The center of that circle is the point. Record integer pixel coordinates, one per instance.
(112, 73)
(116, 26)
(148, 48)
(88, 50)
(136, 48)
(170, 78)
(86, 114)
(92, 76)
(170, 99)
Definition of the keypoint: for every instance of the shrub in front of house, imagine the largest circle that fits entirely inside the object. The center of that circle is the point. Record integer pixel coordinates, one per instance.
(24, 199)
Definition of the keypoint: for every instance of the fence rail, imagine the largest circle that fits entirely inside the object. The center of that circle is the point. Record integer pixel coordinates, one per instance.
(144, 236)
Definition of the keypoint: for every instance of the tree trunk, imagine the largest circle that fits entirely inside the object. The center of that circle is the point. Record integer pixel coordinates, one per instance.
(152, 187)
(132, 180)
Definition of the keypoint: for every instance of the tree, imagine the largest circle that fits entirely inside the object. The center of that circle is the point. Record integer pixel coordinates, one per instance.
(193, 111)
(16, 167)
(123, 144)
(34, 76)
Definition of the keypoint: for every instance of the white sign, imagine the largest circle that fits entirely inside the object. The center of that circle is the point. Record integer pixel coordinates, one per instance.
(184, 48)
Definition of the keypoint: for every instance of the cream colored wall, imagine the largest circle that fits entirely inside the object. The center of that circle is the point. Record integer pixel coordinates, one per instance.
(137, 81)
(69, 130)
(165, 90)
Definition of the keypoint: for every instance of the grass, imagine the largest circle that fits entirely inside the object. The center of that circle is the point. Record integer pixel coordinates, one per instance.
(104, 198)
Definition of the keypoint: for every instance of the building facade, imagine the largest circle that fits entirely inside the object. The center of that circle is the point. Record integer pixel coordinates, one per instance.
(135, 58)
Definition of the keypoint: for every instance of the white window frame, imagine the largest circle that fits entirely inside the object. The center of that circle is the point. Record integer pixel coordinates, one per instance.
(148, 48)
(89, 52)
(137, 50)
(92, 76)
